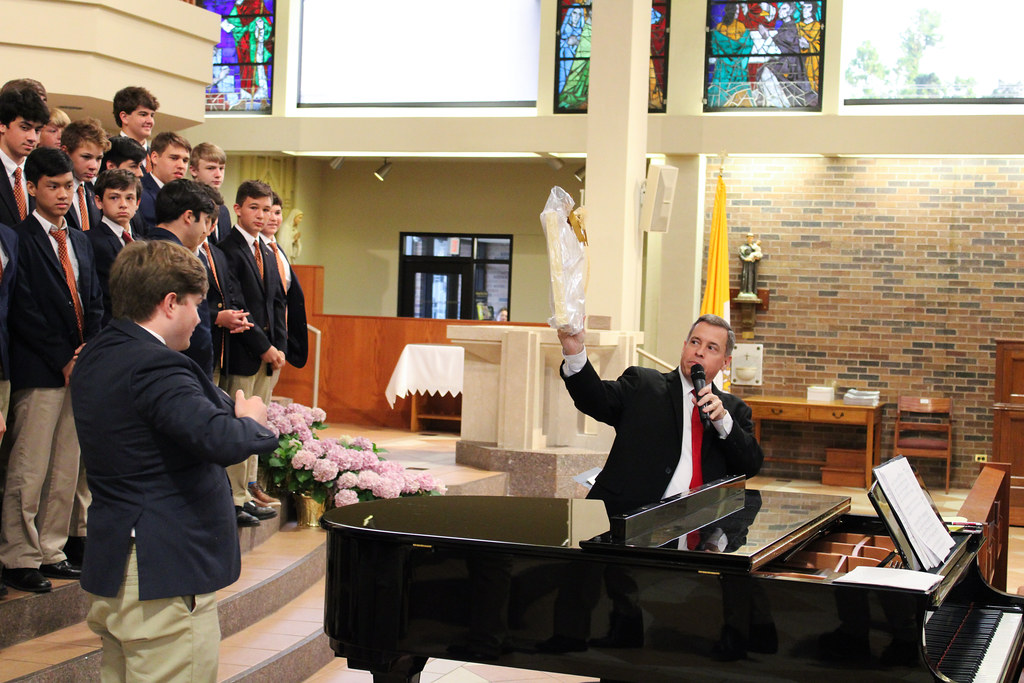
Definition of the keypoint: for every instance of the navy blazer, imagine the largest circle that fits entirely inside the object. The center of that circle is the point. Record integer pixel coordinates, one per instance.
(646, 408)
(44, 330)
(298, 332)
(94, 213)
(147, 206)
(8, 206)
(200, 345)
(9, 241)
(222, 294)
(105, 246)
(265, 301)
(224, 224)
(156, 435)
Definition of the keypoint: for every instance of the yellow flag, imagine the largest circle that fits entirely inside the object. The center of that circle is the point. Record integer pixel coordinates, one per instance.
(716, 291)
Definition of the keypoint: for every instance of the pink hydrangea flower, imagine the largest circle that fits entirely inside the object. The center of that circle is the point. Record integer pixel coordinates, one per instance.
(345, 497)
(303, 460)
(324, 470)
(347, 480)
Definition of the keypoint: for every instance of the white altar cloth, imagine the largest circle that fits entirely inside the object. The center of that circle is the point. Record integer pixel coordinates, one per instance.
(427, 369)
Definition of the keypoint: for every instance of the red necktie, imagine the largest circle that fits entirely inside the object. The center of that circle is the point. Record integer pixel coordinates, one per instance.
(696, 440)
(83, 211)
(19, 194)
(69, 277)
(127, 237)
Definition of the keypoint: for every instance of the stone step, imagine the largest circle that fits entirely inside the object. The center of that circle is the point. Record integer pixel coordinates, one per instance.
(274, 574)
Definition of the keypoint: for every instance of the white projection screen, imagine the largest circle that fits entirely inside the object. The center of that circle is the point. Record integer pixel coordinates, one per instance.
(409, 53)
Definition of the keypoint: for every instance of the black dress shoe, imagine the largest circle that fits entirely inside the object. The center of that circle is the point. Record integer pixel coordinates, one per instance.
(244, 518)
(61, 570)
(28, 580)
(258, 511)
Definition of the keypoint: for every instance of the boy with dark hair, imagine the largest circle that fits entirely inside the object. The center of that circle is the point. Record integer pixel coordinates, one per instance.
(56, 308)
(183, 211)
(167, 161)
(134, 111)
(25, 84)
(207, 166)
(125, 153)
(22, 115)
(117, 198)
(254, 357)
(162, 537)
(49, 136)
(84, 141)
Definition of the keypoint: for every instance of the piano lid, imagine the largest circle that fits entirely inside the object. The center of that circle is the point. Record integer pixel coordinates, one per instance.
(753, 527)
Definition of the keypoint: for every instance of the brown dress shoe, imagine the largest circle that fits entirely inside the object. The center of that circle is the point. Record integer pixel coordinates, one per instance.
(261, 496)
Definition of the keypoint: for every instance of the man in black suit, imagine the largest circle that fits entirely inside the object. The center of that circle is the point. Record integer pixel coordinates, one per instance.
(156, 435)
(652, 456)
(254, 357)
(22, 115)
(56, 307)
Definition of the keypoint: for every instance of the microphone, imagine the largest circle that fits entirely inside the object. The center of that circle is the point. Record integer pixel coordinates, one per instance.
(699, 382)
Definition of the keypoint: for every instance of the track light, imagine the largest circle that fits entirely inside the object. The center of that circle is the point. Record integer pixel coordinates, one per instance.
(336, 162)
(555, 163)
(382, 172)
(581, 173)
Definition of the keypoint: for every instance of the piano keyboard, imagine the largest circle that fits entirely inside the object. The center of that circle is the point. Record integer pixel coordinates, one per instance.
(971, 644)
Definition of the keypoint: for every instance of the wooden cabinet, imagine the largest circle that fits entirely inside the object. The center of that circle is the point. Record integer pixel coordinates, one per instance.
(1008, 420)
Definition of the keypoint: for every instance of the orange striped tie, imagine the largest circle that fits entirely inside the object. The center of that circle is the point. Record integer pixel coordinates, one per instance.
(69, 277)
(259, 258)
(83, 210)
(19, 195)
(213, 267)
(280, 266)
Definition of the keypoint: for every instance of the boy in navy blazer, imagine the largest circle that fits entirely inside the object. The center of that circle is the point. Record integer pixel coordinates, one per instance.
(167, 161)
(156, 435)
(206, 165)
(56, 307)
(117, 198)
(22, 115)
(85, 142)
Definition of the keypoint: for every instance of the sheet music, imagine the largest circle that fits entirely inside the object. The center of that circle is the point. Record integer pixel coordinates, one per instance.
(925, 530)
(896, 578)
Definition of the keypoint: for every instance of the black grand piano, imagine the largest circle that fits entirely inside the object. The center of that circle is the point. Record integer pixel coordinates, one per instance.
(721, 584)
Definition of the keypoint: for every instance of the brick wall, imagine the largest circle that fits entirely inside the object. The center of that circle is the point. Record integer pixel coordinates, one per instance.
(888, 274)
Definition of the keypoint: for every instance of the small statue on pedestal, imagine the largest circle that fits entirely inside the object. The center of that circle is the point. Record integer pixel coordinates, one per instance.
(750, 254)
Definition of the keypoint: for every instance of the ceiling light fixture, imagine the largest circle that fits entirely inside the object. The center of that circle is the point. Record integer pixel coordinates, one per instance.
(382, 172)
(581, 173)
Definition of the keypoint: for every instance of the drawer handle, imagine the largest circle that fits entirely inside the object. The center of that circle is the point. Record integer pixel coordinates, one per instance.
(839, 415)
(776, 411)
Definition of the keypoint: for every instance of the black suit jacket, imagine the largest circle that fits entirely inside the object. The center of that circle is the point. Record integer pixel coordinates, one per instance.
(265, 301)
(147, 206)
(200, 344)
(94, 213)
(105, 247)
(224, 224)
(156, 435)
(223, 294)
(8, 206)
(9, 241)
(44, 330)
(646, 409)
(298, 333)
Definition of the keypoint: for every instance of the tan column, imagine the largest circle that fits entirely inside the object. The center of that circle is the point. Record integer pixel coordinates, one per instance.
(616, 149)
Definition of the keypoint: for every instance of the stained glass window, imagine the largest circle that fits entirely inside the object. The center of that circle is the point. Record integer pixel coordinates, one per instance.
(764, 55)
(572, 58)
(243, 60)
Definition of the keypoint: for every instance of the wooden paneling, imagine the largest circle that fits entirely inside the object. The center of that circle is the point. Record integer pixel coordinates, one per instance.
(358, 355)
(1008, 420)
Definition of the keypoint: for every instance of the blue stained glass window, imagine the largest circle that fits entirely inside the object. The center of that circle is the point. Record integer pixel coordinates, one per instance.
(243, 60)
(572, 58)
(764, 55)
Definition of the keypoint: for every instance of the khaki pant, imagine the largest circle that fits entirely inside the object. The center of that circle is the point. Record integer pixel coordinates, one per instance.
(42, 476)
(261, 384)
(169, 639)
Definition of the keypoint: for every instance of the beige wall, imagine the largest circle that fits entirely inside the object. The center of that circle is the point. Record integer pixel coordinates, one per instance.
(352, 222)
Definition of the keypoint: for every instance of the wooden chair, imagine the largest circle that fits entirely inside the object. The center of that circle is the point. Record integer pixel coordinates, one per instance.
(924, 429)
